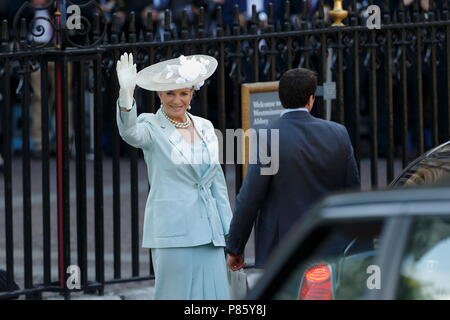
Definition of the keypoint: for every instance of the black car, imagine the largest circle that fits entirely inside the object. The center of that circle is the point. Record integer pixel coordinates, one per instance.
(392, 244)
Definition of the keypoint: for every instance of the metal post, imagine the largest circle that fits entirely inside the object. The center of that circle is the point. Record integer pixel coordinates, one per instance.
(62, 164)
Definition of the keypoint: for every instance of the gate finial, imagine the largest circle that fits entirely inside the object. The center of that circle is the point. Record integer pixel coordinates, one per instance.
(338, 14)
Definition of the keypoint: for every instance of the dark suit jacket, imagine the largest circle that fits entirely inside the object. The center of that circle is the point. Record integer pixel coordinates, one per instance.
(315, 158)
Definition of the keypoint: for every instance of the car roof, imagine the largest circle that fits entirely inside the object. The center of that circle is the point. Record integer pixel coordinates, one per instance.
(404, 201)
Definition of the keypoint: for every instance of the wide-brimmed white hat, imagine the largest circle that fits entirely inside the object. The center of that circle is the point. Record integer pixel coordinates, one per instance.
(178, 73)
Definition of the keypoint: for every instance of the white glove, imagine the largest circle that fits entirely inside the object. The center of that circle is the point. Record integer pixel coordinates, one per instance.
(126, 74)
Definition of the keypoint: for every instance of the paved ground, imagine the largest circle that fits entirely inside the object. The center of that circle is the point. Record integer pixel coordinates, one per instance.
(131, 290)
(143, 290)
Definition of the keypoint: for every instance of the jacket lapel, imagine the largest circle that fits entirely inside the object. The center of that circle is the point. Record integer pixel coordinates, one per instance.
(213, 150)
(175, 139)
(204, 135)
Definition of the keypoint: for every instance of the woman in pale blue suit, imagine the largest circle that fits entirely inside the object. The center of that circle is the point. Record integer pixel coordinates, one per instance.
(187, 214)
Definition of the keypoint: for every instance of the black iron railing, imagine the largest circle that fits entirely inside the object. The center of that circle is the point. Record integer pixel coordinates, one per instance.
(392, 93)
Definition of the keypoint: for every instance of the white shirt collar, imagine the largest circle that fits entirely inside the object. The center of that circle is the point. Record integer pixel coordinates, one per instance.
(291, 110)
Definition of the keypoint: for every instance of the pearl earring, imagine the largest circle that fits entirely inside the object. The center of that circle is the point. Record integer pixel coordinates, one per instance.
(189, 107)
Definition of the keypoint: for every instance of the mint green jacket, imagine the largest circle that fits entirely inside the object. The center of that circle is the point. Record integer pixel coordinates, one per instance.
(182, 209)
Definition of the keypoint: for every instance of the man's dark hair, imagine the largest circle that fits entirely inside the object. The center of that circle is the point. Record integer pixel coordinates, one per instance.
(296, 86)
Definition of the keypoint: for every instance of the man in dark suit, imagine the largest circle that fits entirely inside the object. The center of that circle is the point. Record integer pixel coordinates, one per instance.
(315, 158)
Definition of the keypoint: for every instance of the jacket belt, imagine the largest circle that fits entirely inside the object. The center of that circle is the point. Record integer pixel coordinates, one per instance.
(203, 194)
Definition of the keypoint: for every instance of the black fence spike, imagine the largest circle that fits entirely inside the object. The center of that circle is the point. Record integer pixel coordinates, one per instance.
(149, 21)
(105, 40)
(167, 19)
(114, 24)
(321, 16)
(297, 22)
(227, 30)
(194, 33)
(236, 24)
(304, 24)
(201, 23)
(184, 25)
(386, 12)
(97, 27)
(278, 27)
(305, 10)
(270, 26)
(287, 16)
(114, 29)
(386, 7)
(23, 29)
(5, 36)
(149, 27)
(167, 34)
(445, 12)
(355, 6)
(321, 13)
(174, 32)
(219, 17)
(254, 21)
(402, 13)
(5, 30)
(132, 24)
(219, 20)
(201, 17)
(416, 11)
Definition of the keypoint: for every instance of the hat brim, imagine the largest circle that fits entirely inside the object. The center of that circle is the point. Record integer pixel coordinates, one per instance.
(145, 77)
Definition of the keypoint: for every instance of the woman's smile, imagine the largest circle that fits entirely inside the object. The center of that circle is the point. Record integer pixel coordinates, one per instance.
(176, 102)
(176, 108)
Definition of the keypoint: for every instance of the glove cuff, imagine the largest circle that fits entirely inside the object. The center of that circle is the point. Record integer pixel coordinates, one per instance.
(124, 109)
(126, 98)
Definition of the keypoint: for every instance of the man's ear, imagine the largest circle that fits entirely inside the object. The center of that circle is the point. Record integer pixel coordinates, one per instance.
(310, 104)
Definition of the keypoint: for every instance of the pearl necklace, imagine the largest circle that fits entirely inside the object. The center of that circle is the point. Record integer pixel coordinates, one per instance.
(177, 124)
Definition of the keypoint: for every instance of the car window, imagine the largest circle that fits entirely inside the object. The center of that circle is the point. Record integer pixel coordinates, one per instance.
(336, 267)
(425, 271)
(434, 168)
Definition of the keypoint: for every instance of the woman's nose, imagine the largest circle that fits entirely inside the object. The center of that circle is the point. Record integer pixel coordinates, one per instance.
(177, 100)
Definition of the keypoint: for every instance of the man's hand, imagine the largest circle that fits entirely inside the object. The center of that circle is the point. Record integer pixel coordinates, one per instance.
(235, 262)
(126, 74)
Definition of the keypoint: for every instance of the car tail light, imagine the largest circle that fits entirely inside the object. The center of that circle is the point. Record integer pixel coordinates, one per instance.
(316, 284)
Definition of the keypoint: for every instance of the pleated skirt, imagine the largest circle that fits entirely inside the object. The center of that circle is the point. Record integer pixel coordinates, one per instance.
(191, 273)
